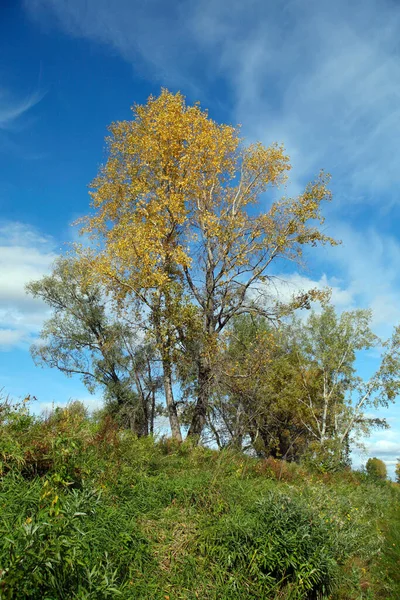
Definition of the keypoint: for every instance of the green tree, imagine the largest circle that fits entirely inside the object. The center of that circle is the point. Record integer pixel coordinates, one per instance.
(294, 389)
(85, 337)
(376, 468)
(334, 396)
(256, 390)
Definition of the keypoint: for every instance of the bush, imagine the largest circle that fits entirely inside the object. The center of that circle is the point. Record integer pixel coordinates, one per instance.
(278, 543)
(278, 469)
(329, 458)
(376, 469)
(65, 546)
(60, 442)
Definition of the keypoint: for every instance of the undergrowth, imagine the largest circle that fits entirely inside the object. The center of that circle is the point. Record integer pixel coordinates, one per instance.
(91, 512)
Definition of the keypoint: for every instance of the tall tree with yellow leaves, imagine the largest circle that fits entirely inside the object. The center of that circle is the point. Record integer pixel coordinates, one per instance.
(180, 218)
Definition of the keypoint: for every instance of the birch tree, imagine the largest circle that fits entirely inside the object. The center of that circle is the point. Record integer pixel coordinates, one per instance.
(334, 396)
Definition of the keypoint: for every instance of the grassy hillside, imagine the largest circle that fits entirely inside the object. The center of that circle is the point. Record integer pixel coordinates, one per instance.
(91, 512)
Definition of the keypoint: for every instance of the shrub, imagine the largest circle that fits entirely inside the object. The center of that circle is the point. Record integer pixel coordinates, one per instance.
(67, 546)
(327, 458)
(278, 543)
(59, 442)
(278, 469)
(376, 469)
(15, 423)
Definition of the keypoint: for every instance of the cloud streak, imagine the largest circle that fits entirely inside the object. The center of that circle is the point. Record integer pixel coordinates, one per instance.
(366, 267)
(13, 121)
(11, 109)
(323, 77)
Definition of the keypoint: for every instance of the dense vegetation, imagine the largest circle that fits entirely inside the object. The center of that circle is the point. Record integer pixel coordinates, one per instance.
(91, 511)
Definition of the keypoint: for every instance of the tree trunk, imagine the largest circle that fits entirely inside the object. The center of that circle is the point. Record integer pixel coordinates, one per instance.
(325, 412)
(169, 399)
(145, 418)
(256, 441)
(204, 370)
(203, 396)
(238, 429)
(153, 411)
(152, 397)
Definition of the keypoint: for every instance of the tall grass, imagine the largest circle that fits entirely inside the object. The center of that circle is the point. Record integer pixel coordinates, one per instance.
(88, 511)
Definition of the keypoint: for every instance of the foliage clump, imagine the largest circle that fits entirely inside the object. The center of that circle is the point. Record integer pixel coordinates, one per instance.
(376, 469)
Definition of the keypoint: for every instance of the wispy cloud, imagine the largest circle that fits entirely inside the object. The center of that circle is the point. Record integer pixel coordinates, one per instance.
(322, 76)
(366, 266)
(361, 273)
(14, 120)
(11, 108)
(143, 33)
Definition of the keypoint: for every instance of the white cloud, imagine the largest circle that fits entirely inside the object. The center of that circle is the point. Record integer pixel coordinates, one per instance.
(25, 255)
(321, 76)
(285, 286)
(383, 444)
(384, 448)
(10, 337)
(362, 273)
(366, 265)
(92, 403)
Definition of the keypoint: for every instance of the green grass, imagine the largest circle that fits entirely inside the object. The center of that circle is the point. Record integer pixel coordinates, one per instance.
(387, 567)
(98, 514)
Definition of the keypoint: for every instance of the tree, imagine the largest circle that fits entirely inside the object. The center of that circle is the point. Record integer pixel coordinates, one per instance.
(293, 390)
(397, 471)
(376, 468)
(180, 225)
(239, 380)
(256, 387)
(334, 397)
(84, 337)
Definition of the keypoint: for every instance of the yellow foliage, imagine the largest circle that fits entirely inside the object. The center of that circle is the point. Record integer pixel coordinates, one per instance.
(178, 212)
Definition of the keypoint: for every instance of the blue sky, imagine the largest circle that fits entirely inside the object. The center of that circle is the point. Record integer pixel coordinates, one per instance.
(321, 77)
